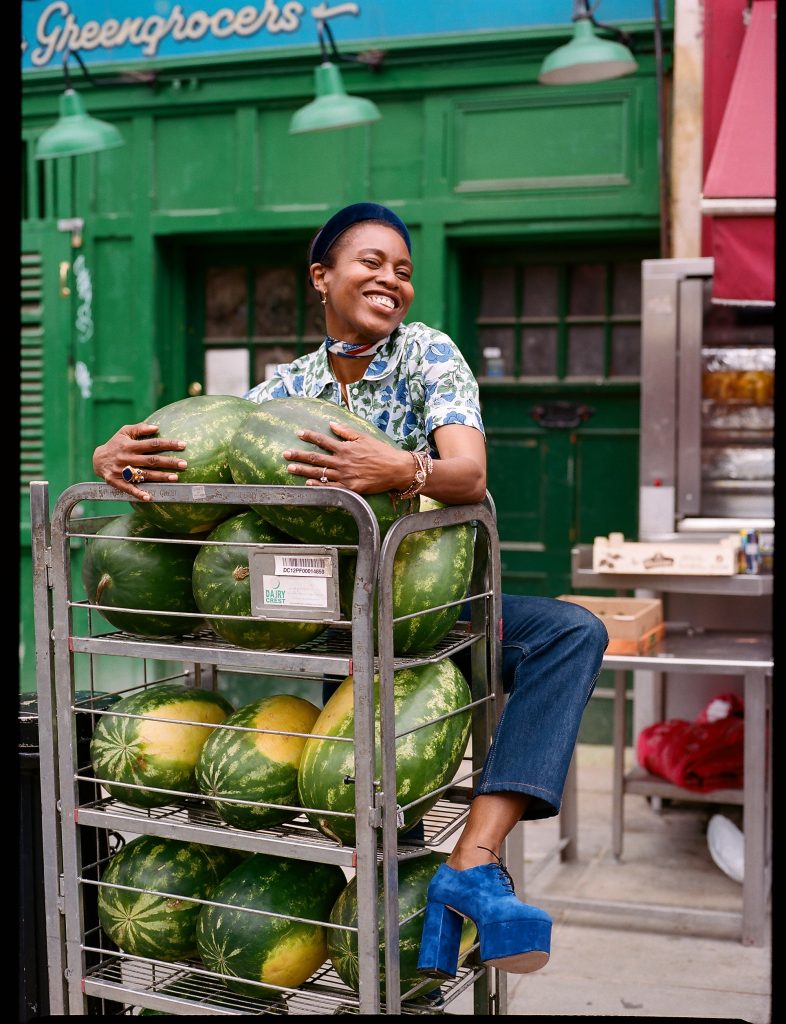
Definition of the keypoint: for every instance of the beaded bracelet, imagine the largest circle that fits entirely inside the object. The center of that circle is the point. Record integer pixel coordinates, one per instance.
(423, 467)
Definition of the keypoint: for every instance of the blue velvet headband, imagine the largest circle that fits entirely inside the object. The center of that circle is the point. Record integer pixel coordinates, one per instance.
(345, 218)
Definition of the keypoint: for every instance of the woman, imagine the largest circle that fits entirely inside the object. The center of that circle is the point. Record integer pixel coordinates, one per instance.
(413, 383)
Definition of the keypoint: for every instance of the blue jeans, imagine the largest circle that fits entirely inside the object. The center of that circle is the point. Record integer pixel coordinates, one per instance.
(551, 658)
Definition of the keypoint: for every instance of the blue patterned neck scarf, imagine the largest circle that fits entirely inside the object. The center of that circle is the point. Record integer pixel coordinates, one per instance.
(350, 351)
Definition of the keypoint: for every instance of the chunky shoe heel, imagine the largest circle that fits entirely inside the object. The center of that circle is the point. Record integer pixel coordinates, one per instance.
(514, 936)
(439, 946)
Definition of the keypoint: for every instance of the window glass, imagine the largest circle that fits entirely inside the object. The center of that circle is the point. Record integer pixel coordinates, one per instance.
(226, 371)
(498, 292)
(587, 290)
(226, 302)
(539, 352)
(540, 291)
(314, 326)
(268, 357)
(275, 302)
(625, 351)
(585, 351)
(627, 289)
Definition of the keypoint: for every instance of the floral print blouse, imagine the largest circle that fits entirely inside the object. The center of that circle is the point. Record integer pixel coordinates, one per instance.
(417, 381)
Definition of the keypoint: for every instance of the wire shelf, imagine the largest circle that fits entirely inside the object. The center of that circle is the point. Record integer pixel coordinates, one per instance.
(197, 822)
(187, 988)
(328, 653)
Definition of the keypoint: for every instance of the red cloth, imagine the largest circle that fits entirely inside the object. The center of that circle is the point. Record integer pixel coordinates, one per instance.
(702, 755)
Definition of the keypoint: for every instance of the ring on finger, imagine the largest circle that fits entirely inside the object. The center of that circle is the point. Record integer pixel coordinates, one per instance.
(133, 475)
(324, 478)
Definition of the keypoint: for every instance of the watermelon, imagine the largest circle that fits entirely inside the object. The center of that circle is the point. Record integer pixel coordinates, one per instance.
(143, 924)
(431, 567)
(155, 751)
(257, 766)
(119, 573)
(256, 458)
(413, 880)
(425, 759)
(207, 424)
(256, 947)
(221, 586)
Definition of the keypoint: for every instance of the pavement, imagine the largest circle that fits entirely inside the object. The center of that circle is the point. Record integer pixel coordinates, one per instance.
(634, 965)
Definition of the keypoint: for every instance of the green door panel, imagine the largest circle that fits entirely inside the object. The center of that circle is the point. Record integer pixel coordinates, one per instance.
(606, 484)
(47, 397)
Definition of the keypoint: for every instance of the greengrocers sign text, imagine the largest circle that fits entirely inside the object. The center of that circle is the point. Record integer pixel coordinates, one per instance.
(106, 31)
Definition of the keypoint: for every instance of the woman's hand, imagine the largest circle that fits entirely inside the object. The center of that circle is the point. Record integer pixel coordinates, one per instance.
(355, 461)
(133, 445)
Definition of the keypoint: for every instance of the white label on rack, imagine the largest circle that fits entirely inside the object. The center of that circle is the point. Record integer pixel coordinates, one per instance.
(198, 491)
(304, 565)
(295, 591)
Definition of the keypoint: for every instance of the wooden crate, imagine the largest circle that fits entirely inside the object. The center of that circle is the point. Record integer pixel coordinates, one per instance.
(635, 625)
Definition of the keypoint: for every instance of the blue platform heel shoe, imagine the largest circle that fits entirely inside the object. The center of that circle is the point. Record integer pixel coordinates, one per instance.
(514, 936)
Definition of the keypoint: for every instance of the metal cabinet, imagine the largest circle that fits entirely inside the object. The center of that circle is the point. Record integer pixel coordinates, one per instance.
(73, 649)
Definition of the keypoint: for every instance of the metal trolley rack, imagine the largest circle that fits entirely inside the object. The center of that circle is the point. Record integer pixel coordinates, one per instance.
(85, 968)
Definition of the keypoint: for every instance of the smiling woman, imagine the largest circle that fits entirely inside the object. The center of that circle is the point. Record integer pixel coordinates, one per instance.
(413, 383)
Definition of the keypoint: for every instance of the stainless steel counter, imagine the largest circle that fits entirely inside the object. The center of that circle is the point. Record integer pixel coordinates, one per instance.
(749, 657)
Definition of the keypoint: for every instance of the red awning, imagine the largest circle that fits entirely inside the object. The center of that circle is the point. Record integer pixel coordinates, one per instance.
(739, 187)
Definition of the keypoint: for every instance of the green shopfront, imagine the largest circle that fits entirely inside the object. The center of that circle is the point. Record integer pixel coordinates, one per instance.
(174, 264)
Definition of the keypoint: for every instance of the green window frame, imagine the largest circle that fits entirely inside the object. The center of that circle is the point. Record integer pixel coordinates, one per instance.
(253, 305)
(548, 317)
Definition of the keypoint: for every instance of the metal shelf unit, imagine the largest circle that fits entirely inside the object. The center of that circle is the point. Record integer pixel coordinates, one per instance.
(694, 651)
(83, 962)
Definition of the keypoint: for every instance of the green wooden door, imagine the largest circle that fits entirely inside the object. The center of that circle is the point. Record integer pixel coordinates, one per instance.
(47, 396)
(554, 338)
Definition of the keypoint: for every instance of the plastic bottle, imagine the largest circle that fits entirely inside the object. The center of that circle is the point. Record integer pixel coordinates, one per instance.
(494, 363)
(752, 552)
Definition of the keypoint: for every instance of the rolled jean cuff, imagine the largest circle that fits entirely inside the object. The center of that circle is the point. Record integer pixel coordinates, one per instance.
(541, 804)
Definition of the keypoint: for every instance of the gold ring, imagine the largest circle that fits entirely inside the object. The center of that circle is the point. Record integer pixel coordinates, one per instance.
(132, 475)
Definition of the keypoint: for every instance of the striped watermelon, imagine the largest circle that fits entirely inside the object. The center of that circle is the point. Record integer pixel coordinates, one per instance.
(257, 766)
(256, 458)
(207, 424)
(222, 586)
(256, 947)
(119, 573)
(431, 567)
(154, 750)
(425, 759)
(413, 879)
(144, 924)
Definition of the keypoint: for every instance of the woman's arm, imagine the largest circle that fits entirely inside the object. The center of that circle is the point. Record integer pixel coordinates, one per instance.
(459, 474)
(368, 466)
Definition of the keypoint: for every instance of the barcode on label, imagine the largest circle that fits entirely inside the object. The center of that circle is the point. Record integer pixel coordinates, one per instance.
(303, 565)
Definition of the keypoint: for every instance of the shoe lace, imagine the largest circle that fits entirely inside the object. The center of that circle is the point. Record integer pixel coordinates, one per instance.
(501, 867)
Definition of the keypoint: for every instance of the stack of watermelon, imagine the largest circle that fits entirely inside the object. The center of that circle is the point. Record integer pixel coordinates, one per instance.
(194, 571)
(427, 752)
(254, 779)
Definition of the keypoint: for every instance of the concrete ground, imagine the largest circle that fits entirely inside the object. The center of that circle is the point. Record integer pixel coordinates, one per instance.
(629, 966)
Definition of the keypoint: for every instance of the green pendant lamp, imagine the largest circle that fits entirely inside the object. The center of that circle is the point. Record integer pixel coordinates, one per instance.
(333, 106)
(588, 57)
(76, 132)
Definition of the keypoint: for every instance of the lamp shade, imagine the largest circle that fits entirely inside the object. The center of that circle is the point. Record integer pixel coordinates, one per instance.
(586, 58)
(333, 107)
(76, 131)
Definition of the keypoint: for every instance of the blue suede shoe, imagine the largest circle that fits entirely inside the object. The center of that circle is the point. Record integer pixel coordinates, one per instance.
(513, 936)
